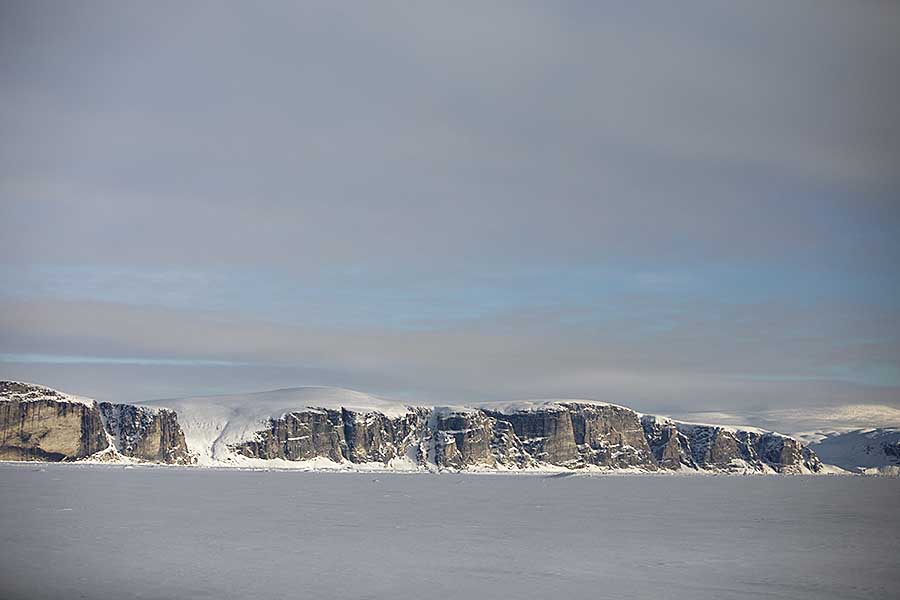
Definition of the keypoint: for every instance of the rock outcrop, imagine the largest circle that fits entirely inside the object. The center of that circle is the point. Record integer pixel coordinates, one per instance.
(338, 435)
(461, 438)
(37, 423)
(670, 447)
(677, 445)
(146, 433)
(376, 437)
(300, 435)
(580, 434)
(546, 433)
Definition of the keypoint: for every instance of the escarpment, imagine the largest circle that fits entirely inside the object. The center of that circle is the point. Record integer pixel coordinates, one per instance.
(150, 434)
(463, 438)
(338, 435)
(677, 445)
(37, 423)
(375, 437)
(42, 424)
(580, 434)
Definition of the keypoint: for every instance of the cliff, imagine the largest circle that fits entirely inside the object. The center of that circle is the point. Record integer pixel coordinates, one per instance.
(145, 433)
(345, 428)
(677, 445)
(37, 423)
(580, 434)
(339, 435)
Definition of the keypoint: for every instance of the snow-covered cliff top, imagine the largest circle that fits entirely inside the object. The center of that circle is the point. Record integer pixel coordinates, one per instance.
(20, 391)
(684, 425)
(542, 404)
(275, 403)
(213, 423)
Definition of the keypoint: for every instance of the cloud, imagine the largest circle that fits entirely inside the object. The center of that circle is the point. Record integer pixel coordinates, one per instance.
(461, 201)
(334, 135)
(697, 363)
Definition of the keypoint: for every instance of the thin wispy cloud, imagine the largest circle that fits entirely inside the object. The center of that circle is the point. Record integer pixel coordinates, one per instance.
(58, 359)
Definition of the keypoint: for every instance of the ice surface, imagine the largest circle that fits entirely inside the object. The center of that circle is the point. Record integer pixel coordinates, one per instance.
(104, 532)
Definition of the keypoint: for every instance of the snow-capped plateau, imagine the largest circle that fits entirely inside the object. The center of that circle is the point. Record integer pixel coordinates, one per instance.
(20, 391)
(322, 428)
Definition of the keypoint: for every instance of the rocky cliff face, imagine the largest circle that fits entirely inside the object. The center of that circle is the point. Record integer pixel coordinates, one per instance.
(338, 435)
(150, 434)
(576, 435)
(546, 433)
(670, 447)
(461, 438)
(37, 423)
(375, 437)
(678, 445)
(298, 436)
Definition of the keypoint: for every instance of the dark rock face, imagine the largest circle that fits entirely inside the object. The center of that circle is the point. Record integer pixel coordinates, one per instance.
(568, 434)
(37, 423)
(676, 445)
(470, 437)
(462, 438)
(546, 434)
(150, 434)
(670, 447)
(299, 436)
(610, 436)
(508, 449)
(374, 437)
(711, 446)
(892, 449)
(338, 435)
(784, 454)
(50, 428)
(577, 434)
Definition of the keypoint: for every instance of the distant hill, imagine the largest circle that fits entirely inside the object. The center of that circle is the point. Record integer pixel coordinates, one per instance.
(872, 451)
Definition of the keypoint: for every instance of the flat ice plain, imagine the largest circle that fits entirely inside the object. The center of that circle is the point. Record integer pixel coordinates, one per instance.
(98, 532)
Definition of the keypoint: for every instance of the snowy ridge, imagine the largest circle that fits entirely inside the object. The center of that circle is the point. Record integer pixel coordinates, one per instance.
(685, 425)
(874, 451)
(20, 391)
(518, 406)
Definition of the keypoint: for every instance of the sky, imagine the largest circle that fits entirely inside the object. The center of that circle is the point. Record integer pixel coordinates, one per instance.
(686, 209)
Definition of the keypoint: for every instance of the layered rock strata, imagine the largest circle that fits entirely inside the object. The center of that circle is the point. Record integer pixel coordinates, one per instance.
(37, 423)
(42, 424)
(358, 437)
(145, 433)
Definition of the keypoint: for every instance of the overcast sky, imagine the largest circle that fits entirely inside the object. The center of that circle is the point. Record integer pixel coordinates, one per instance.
(682, 207)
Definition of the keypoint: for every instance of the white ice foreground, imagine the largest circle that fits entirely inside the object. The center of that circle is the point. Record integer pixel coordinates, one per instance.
(104, 532)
